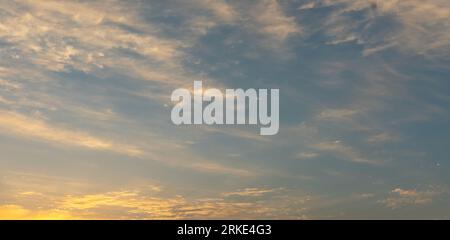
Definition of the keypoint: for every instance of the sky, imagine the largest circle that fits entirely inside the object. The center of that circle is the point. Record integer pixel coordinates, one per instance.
(85, 128)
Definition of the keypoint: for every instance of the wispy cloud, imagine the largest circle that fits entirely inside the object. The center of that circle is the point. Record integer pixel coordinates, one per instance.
(417, 26)
(345, 152)
(147, 203)
(272, 21)
(251, 192)
(40, 35)
(87, 83)
(337, 114)
(21, 125)
(409, 197)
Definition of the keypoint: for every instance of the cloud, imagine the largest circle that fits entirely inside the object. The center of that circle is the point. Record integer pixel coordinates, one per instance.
(344, 152)
(272, 21)
(416, 26)
(382, 138)
(118, 43)
(22, 125)
(17, 212)
(316, 144)
(424, 24)
(221, 10)
(162, 151)
(337, 114)
(307, 6)
(208, 166)
(9, 86)
(306, 155)
(265, 22)
(137, 205)
(107, 41)
(250, 192)
(62, 37)
(409, 197)
(95, 76)
(238, 133)
(201, 16)
(54, 200)
(134, 202)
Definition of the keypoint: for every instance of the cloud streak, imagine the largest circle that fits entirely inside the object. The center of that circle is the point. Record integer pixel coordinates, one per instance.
(18, 124)
(409, 197)
(420, 26)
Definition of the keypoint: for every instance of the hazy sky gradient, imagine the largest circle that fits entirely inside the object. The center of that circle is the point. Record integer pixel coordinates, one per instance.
(85, 129)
